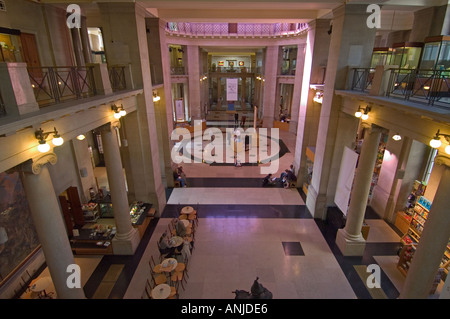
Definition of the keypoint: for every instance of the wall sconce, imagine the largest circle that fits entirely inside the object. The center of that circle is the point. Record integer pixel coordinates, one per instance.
(81, 137)
(40, 135)
(436, 141)
(396, 137)
(364, 116)
(156, 97)
(119, 111)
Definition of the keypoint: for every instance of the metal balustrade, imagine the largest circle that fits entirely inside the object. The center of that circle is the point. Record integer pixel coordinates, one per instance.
(243, 29)
(362, 79)
(53, 85)
(417, 85)
(430, 86)
(117, 78)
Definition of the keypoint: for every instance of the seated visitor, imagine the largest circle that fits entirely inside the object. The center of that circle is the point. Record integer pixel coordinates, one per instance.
(177, 177)
(164, 245)
(180, 228)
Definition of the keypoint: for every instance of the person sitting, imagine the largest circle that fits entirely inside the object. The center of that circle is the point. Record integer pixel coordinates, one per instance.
(180, 228)
(177, 177)
(268, 180)
(182, 175)
(290, 178)
(164, 246)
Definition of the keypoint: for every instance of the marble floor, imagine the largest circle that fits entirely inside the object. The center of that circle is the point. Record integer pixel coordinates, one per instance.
(247, 231)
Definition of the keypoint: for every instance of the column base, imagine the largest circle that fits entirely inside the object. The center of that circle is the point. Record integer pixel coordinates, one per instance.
(126, 245)
(350, 246)
(316, 203)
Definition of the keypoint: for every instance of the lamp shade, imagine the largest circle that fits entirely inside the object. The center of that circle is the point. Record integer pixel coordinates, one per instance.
(57, 141)
(117, 115)
(447, 149)
(396, 137)
(123, 112)
(435, 143)
(43, 147)
(358, 113)
(365, 116)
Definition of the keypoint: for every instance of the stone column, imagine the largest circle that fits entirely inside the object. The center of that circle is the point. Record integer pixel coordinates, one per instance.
(351, 45)
(194, 82)
(84, 37)
(433, 241)
(349, 239)
(49, 223)
(126, 43)
(127, 238)
(270, 85)
(298, 84)
(77, 46)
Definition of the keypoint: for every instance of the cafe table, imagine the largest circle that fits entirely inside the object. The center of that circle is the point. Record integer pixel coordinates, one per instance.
(187, 210)
(175, 241)
(161, 291)
(40, 285)
(169, 264)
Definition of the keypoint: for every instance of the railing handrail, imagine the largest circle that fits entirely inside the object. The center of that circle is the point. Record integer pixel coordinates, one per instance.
(52, 84)
(243, 29)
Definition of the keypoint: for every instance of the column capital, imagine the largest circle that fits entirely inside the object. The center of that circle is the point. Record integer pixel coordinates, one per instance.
(34, 165)
(108, 127)
(441, 159)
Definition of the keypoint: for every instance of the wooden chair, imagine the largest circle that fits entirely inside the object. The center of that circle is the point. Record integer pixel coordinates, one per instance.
(173, 293)
(177, 278)
(159, 279)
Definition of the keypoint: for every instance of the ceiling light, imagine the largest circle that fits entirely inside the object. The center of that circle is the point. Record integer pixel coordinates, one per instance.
(81, 137)
(396, 137)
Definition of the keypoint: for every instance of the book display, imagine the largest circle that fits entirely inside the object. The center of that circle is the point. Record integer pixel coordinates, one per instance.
(418, 210)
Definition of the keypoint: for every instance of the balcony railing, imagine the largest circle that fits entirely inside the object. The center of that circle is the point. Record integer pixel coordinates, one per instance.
(117, 78)
(223, 69)
(57, 84)
(362, 79)
(430, 86)
(243, 29)
(177, 70)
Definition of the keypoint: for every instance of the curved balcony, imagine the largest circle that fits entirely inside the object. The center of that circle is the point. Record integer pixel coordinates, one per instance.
(235, 29)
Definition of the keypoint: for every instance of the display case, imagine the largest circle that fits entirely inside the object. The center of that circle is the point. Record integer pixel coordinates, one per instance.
(436, 53)
(90, 212)
(138, 212)
(381, 56)
(406, 55)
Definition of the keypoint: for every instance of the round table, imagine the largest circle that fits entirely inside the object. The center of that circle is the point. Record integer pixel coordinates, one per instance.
(171, 264)
(161, 291)
(187, 210)
(176, 241)
(41, 284)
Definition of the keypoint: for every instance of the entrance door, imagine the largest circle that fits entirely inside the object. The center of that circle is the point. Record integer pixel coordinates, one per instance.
(30, 54)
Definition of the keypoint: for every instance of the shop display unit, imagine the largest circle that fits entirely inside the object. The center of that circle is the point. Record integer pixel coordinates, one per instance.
(405, 259)
(436, 53)
(406, 55)
(90, 212)
(411, 238)
(381, 56)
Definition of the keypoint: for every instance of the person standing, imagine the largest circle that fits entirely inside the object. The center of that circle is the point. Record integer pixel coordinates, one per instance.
(236, 118)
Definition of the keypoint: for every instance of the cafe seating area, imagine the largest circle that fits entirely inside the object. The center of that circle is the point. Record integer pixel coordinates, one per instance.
(168, 272)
